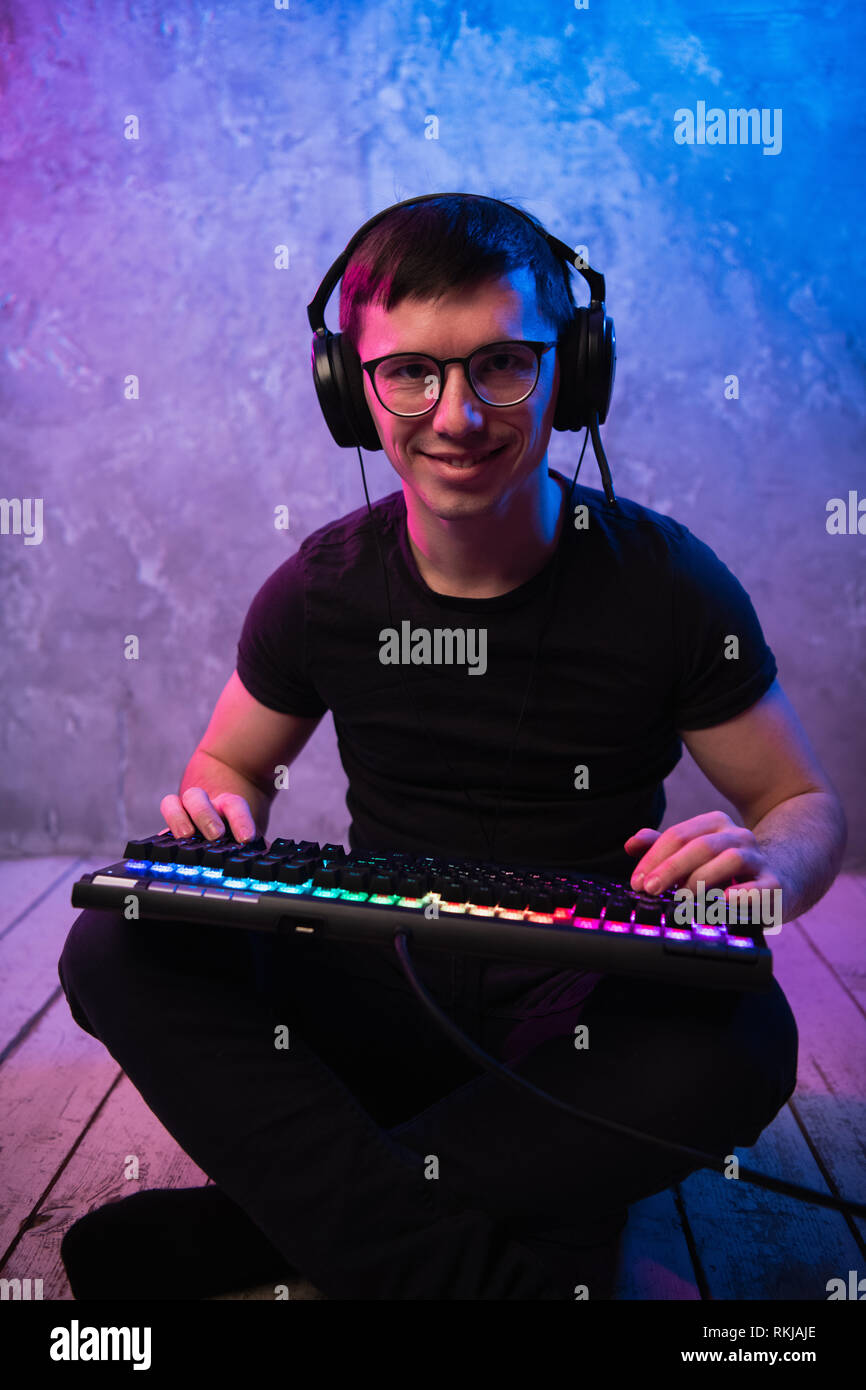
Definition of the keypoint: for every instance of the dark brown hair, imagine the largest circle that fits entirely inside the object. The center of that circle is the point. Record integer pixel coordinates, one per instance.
(428, 249)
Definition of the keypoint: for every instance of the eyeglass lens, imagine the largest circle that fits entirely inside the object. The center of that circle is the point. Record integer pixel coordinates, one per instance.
(502, 375)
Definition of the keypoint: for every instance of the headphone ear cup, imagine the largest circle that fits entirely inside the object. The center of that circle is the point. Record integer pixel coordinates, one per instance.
(567, 410)
(608, 371)
(346, 415)
(327, 392)
(587, 362)
(600, 362)
(350, 375)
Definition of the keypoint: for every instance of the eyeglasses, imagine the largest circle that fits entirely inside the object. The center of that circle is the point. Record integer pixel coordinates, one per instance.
(410, 383)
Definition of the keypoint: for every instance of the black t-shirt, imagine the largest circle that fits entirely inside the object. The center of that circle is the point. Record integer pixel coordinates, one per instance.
(639, 621)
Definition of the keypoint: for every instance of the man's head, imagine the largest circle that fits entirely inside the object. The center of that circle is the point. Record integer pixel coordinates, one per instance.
(445, 278)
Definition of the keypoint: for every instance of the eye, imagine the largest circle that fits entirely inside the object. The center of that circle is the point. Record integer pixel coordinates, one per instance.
(511, 360)
(405, 369)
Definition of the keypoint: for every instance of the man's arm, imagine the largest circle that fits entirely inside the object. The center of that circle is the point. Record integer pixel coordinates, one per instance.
(234, 764)
(804, 840)
(795, 829)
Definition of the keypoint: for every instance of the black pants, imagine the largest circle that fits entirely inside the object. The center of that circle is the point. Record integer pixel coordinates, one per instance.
(372, 1152)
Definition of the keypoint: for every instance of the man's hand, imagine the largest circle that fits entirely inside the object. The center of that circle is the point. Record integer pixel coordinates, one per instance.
(710, 847)
(194, 811)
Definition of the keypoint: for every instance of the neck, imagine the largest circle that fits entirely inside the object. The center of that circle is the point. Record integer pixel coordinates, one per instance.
(488, 555)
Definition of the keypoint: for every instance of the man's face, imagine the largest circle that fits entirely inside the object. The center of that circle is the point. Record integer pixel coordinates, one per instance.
(460, 426)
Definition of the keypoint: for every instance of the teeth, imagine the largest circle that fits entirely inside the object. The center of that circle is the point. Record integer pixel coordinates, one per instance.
(470, 463)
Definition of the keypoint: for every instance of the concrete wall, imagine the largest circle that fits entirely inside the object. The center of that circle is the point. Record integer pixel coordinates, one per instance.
(259, 127)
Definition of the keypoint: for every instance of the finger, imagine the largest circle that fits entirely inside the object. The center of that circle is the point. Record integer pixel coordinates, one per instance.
(705, 824)
(640, 841)
(732, 863)
(637, 845)
(199, 807)
(679, 850)
(176, 818)
(745, 908)
(667, 843)
(236, 810)
(743, 885)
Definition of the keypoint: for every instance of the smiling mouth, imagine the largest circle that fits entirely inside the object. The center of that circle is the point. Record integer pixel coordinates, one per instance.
(466, 460)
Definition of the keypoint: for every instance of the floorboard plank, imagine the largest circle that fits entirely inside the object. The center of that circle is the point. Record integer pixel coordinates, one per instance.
(22, 881)
(49, 1089)
(830, 1099)
(96, 1174)
(836, 927)
(655, 1263)
(756, 1244)
(29, 953)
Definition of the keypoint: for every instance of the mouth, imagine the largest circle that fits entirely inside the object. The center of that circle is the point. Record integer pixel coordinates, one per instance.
(462, 462)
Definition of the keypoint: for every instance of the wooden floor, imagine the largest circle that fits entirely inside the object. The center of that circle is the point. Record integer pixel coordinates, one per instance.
(70, 1119)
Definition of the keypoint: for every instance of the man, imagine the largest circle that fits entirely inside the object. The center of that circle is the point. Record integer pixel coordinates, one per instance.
(372, 1155)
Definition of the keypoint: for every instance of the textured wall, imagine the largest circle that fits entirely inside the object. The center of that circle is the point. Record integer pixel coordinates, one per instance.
(259, 127)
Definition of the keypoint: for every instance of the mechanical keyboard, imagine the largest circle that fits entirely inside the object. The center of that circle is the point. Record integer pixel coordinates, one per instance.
(304, 889)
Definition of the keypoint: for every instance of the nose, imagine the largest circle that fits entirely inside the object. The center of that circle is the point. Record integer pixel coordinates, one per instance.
(458, 410)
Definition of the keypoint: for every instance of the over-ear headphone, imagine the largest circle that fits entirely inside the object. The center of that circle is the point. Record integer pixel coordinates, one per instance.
(587, 351)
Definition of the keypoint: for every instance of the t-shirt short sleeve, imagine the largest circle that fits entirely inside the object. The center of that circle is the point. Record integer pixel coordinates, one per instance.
(272, 648)
(717, 677)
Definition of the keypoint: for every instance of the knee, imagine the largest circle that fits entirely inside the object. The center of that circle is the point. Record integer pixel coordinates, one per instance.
(762, 1062)
(729, 1066)
(108, 956)
(96, 942)
(89, 938)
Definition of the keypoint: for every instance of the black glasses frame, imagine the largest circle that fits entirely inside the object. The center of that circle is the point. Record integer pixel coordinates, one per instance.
(539, 348)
